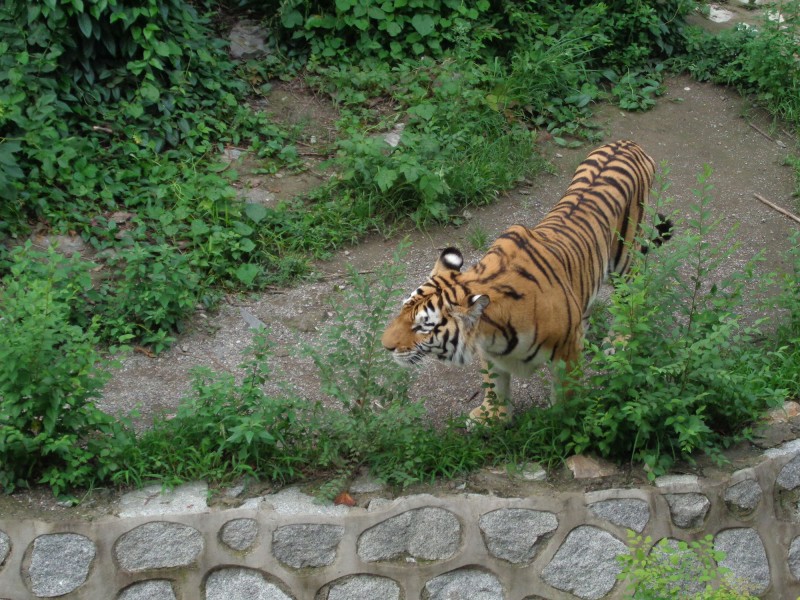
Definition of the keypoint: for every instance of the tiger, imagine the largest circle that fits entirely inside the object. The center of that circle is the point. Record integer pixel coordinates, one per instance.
(525, 301)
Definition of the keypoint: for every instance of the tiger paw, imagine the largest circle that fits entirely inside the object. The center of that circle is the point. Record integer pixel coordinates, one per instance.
(483, 416)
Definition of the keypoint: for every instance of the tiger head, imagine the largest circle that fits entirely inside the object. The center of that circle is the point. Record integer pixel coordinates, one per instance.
(440, 319)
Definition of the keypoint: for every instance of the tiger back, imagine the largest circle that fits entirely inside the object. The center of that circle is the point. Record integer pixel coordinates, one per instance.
(524, 302)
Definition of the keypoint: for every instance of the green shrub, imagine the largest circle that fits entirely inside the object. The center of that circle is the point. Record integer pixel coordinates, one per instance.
(685, 374)
(50, 431)
(354, 368)
(676, 569)
(458, 147)
(224, 430)
(760, 61)
(151, 292)
(783, 361)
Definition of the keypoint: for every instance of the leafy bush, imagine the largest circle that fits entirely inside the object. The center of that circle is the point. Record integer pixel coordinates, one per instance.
(224, 430)
(760, 61)
(50, 431)
(675, 569)
(154, 291)
(783, 362)
(685, 374)
(354, 368)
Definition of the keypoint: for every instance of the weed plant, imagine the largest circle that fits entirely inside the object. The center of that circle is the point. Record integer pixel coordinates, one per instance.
(685, 374)
(51, 432)
(354, 369)
(676, 569)
(224, 430)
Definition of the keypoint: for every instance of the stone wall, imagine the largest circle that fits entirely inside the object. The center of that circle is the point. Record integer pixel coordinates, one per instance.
(550, 544)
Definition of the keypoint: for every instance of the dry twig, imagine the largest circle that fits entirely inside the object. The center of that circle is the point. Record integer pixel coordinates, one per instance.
(783, 211)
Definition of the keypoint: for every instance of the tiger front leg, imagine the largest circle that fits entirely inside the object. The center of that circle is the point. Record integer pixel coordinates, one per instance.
(496, 404)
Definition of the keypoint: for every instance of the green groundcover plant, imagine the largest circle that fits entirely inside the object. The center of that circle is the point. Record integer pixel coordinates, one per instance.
(677, 569)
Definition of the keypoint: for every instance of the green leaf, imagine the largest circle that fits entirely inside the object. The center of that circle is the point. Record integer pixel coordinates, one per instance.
(423, 111)
(292, 19)
(199, 228)
(247, 272)
(135, 110)
(393, 28)
(385, 178)
(424, 24)
(85, 24)
(150, 92)
(256, 212)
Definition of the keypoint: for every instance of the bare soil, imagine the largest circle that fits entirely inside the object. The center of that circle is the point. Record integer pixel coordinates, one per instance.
(694, 124)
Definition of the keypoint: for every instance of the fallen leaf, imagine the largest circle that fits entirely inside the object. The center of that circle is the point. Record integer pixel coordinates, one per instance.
(344, 498)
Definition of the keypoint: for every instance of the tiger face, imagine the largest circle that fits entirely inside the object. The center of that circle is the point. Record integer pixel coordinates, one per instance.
(439, 320)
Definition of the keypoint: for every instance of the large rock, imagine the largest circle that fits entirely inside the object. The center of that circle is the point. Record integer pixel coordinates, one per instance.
(242, 584)
(464, 583)
(631, 513)
(422, 533)
(363, 587)
(745, 556)
(155, 589)
(60, 563)
(742, 498)
(153, 500)
(794, 558)
(688, 510)
(307, 545)
(683, 565)
(789, 477)
(291, 501)
(5, 547)
(239, 534)
(586, 563)
(158, 545)
(516, 534)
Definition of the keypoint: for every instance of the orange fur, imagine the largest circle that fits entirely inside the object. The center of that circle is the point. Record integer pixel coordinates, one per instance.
(524, 302)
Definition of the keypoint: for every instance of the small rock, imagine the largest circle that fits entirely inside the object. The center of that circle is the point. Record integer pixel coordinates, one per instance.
(247, 39)
(534, 473)
(676, 480)
(64, 244)
(231, 154)
(719, 15)
(365, 484)
(789, 410)
(252, 321)
(393, 137)
(688, 510)
(587, 467)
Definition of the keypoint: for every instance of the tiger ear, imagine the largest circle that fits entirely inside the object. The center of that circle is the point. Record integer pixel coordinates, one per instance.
(450, 259)
(475, 306)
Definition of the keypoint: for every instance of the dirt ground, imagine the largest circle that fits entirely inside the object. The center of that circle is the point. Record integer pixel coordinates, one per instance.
(693, 124)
